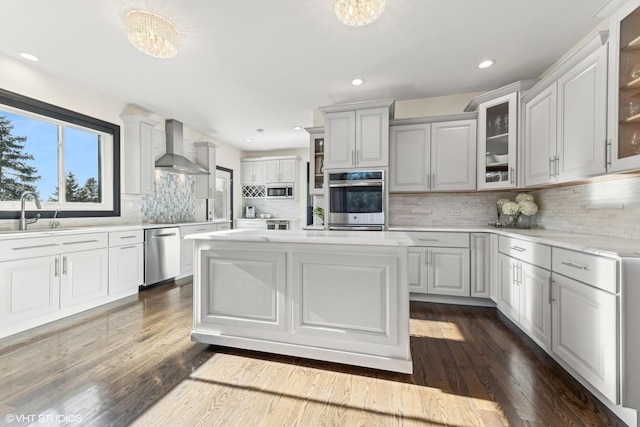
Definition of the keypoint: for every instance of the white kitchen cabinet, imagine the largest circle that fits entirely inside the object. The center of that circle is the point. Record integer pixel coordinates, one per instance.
(624, 88)
(582, 118)
(316, 161)
(206, 158)
(282, 170)
(497, 142)
(540, 137)
(126, 261)
(84, 277)
(585, 332)
(253, 172)
(437, 156)
(139, 162)
(524, 296)
(186, 245)
(481, 265)
(453, 156)
(410, 157)
(565, 119)
(30, 288)
(439, 264)
(357, 136)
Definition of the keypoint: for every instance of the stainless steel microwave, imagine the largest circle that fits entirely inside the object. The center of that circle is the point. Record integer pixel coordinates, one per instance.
(280, 191)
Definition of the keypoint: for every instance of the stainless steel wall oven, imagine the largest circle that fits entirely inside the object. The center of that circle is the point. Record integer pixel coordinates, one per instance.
(357, 200)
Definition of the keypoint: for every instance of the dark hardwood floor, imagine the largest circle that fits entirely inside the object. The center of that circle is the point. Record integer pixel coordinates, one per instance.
(132, 362)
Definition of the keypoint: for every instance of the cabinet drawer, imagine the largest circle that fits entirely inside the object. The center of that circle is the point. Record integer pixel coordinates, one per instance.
(129, 237)
(45, 246)
(440, 239)
(194, 229)
(533, 253)
(591, 269)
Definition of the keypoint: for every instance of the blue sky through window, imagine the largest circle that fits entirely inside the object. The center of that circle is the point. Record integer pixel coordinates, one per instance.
(81, 151)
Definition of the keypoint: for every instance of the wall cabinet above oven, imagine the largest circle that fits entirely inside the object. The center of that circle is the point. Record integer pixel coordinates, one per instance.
(357, 135)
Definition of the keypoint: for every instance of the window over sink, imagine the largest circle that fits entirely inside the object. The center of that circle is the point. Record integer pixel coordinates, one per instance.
(71, 161)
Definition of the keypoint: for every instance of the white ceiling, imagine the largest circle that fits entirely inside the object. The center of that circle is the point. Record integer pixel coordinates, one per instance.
(249, 64)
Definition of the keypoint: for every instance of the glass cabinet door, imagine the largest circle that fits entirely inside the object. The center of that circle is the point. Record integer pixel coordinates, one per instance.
(497, 143)
(316, 163)
(625, 151)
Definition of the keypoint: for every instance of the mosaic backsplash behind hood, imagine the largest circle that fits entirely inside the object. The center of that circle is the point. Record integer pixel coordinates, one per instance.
(173, 199)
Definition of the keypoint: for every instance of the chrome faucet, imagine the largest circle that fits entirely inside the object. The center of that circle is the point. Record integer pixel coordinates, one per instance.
(23, 220)
(54, 222)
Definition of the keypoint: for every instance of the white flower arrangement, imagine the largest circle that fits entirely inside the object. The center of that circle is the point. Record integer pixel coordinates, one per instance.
(524, 205)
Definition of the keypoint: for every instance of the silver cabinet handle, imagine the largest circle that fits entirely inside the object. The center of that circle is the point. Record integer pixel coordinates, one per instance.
(557, 161)
(570, 264)
(513, 176)
(429, 240)
(57, 268)
(127, 237)
(428, 180)
(520, 273)
(607, 153)
(64, 265)
(35, 247)
(80, 242)
(551, 167)
(127, 247)
(551, 282)
(513, 273)
(517, 248)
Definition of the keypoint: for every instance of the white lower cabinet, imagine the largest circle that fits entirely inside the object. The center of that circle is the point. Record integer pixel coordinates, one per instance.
(126, 268)
(524, 296)
(30, 288)
(186, 245)
(84, 276)
(585, 332)
(439, 270)
(481, 265)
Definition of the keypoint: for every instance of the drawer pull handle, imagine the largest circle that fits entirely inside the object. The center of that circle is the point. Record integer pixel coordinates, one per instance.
(570, 264)
(80, 242)
(35, 247)
(201, 229)
(128, 237)
(429, 240)
(517, 248)
(128, 247)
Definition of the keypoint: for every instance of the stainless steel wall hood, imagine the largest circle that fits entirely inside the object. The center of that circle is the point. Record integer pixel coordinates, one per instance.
(174, 160)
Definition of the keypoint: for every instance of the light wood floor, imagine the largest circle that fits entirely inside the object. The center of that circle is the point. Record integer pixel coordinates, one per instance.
(132, 363)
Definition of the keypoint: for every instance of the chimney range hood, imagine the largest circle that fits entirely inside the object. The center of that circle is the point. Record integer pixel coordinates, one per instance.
(174, 160)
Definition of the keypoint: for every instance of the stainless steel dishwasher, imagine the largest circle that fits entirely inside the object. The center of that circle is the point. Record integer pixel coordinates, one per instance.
(161, 254)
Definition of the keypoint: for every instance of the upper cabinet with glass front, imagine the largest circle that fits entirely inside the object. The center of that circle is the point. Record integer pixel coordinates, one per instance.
(316, 161)
(624, 89)
(498, 135)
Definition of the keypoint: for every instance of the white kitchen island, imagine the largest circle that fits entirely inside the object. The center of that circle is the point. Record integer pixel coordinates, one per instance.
(329, 295)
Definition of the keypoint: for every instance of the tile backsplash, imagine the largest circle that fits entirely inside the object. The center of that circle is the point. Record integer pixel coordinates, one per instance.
(610, 208)
(173, 198)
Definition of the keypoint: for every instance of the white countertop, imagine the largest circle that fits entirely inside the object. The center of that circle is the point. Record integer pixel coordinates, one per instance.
(599, 245)
(383, 238)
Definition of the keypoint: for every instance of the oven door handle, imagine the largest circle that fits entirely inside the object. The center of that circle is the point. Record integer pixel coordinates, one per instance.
(356, 184)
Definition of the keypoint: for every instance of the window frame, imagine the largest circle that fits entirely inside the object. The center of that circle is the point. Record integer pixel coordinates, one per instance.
(77, 120)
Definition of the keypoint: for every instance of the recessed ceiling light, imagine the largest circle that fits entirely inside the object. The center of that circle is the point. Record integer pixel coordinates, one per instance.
(29, 57)
(357, 81)
(248, 140)
(486, 63)
(297, 128)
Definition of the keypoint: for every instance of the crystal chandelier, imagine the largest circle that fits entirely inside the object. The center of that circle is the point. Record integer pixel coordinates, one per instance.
(152, 34)
(359, 12)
